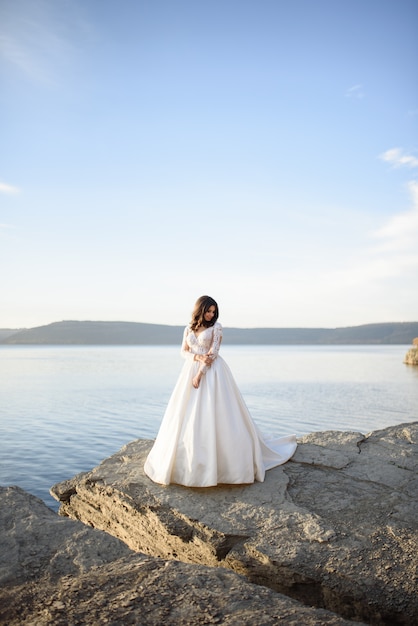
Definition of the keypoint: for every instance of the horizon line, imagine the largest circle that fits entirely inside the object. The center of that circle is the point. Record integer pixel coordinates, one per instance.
(91, 321)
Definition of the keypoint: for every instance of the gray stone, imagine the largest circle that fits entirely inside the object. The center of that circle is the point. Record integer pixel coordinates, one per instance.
(56, 571)
(335, 527)
(28, 551)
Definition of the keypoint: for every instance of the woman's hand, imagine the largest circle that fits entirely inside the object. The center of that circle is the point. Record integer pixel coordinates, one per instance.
(204, 358)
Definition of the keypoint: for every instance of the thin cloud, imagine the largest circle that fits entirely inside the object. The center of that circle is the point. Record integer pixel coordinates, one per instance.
(8, 189)
(397, 238)
(35, 58)
(391, 254)
(16, 54)
(41, 39)
(398, 158)
(356, 92)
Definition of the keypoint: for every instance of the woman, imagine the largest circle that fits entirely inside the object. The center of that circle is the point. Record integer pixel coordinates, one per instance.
(207, 436)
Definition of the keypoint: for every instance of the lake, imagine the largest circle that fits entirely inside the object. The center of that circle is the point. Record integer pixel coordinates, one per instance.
(63, 409)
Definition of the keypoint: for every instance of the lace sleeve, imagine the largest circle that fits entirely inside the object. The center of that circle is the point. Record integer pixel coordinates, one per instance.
(185, 350)
(217, 340)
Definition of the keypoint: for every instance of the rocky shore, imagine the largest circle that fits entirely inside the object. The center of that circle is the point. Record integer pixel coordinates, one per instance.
(411, 357)
(330, 536)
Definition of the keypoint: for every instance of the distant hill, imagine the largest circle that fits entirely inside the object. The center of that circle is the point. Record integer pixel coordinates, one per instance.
(6, 332)
(98, 333)
(136, 333)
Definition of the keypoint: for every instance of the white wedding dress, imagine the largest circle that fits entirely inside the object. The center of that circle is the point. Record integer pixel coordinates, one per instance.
(207, 436)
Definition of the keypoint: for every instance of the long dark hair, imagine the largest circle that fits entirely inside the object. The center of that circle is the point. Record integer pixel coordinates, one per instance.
(202, 305)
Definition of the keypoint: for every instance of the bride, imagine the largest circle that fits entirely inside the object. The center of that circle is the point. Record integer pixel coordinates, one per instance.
(207, 436)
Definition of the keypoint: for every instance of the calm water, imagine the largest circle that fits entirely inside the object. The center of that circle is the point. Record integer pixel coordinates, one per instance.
(64, 409)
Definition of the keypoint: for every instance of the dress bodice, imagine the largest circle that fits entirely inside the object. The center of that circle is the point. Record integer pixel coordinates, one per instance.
(206, 342)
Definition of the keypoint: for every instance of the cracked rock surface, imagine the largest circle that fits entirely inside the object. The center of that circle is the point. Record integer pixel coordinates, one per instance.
(56, 571)
(336, 527)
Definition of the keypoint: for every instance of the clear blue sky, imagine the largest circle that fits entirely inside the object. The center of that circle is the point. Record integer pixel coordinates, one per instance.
(264, 152)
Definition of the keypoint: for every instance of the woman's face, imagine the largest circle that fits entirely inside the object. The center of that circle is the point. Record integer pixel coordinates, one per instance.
(208, 316)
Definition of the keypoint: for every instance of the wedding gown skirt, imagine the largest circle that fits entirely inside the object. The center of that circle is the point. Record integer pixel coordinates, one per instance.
(207, 436)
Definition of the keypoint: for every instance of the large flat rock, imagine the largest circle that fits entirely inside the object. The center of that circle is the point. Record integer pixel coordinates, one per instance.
(336, 527)
(55, 571)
